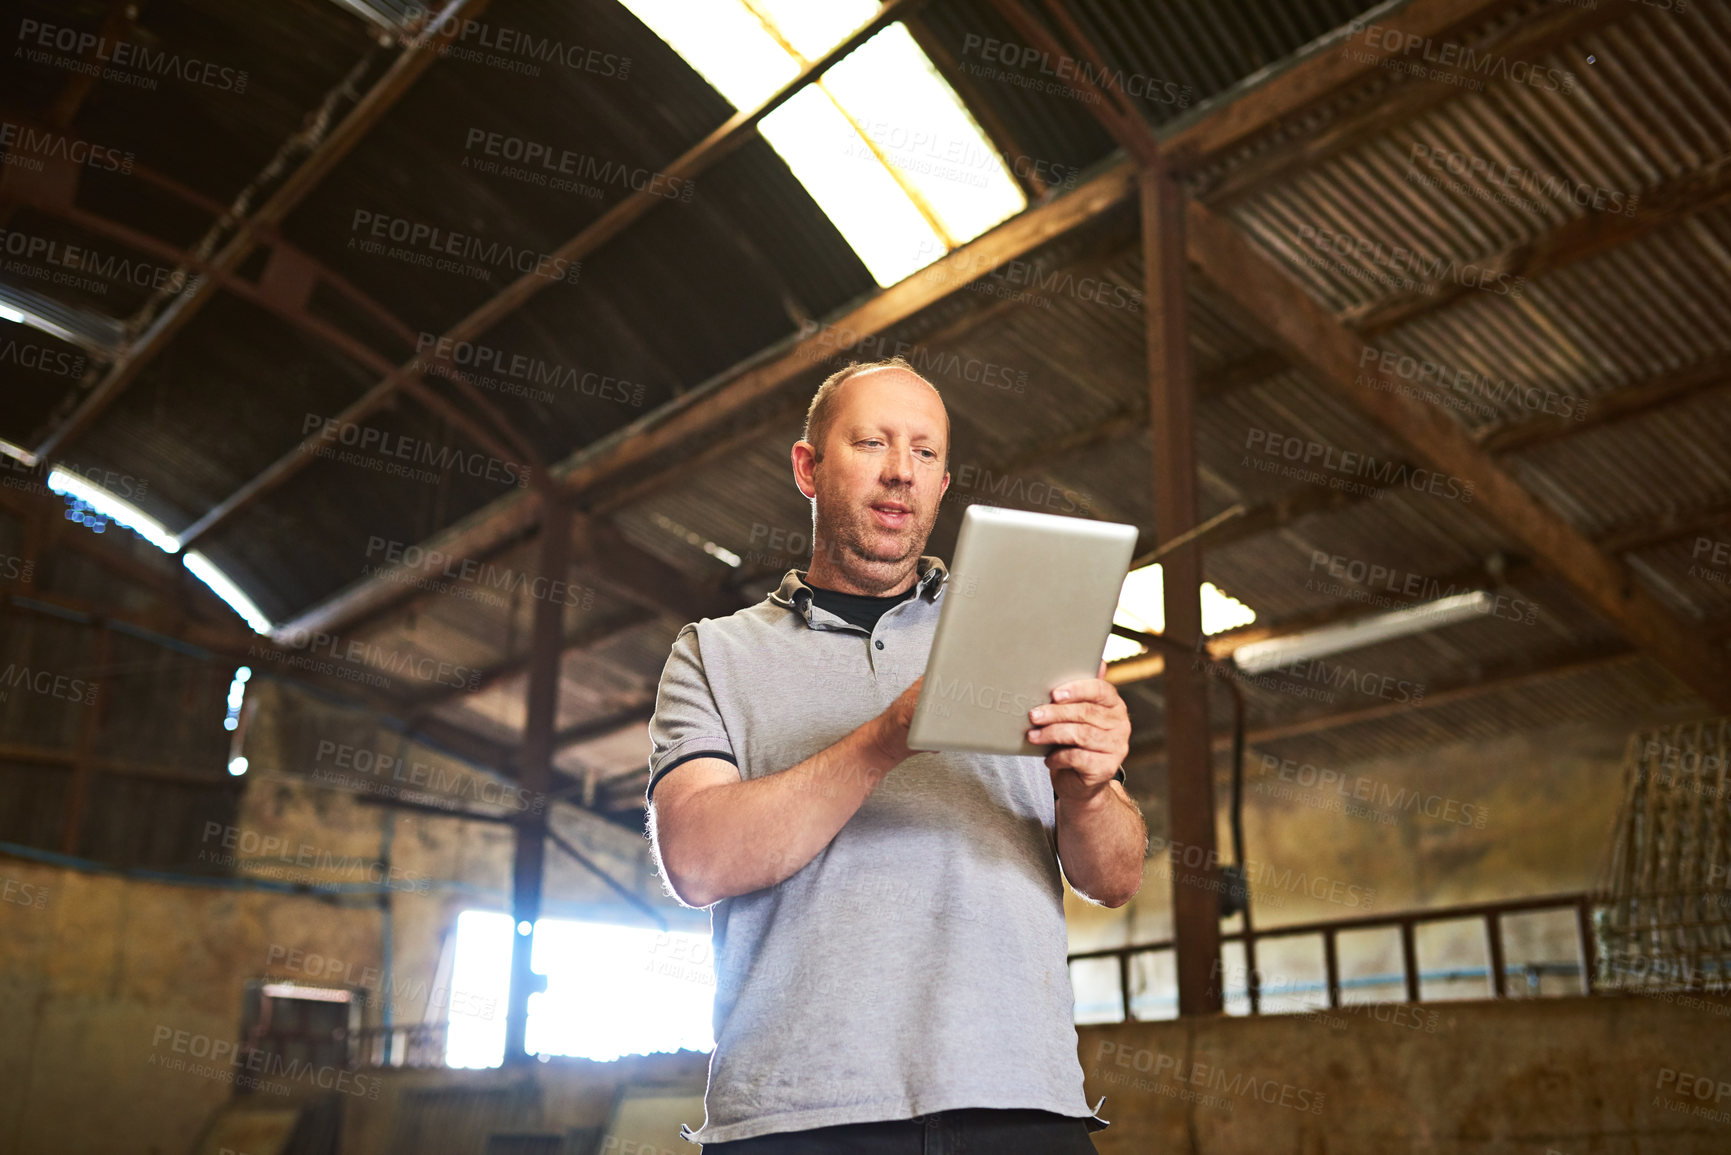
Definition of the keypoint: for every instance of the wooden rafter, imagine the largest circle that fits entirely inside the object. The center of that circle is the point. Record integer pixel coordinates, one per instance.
(1330, 354)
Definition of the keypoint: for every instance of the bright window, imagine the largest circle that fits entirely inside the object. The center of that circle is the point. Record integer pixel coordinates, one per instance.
(881, 141)
(93, 506)
(1140, 607)
(611, 990)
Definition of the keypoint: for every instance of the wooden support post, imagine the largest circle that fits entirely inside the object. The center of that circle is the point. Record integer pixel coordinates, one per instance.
(1252, 979)
(535, 773)
(1331, 964)
(1589, 949)
(1494, 950)
(1190, 776)
(1409, 959)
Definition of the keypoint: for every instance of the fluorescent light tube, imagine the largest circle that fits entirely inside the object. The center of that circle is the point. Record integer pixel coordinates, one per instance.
(1260, 657)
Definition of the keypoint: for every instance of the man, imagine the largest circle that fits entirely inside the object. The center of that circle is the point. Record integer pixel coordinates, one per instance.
(888, 925)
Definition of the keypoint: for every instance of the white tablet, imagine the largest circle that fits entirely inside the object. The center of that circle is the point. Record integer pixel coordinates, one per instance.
(1028, 606)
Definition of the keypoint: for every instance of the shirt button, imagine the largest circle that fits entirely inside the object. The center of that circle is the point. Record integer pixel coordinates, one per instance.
(880, 644)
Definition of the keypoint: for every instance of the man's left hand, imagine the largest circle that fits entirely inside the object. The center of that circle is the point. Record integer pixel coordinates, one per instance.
(1089, 725)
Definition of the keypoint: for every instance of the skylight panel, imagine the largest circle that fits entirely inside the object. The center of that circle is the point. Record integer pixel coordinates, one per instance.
(863, 201)
(923, 130)
(99, 501)
(69, 484)
(726, 44)
(881, 142)
(225, 589)
(812, 29)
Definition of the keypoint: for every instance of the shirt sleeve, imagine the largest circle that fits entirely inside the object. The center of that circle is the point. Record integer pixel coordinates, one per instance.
(686, 723)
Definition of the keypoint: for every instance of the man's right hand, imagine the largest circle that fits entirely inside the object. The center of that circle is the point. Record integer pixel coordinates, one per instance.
(891, 726)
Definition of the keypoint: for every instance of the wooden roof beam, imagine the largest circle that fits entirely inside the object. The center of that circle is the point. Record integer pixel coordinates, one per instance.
(1330, 353)
(408, 66)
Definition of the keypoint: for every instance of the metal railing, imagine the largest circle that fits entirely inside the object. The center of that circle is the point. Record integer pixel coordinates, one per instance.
(1407, 923)
(416, 1045)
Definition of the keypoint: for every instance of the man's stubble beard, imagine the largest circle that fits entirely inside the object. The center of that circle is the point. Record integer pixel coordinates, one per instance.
(846, 546)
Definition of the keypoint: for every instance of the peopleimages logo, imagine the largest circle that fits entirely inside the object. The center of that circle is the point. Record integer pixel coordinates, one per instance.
(1172, 1068)
(25, 144)
(1460, 388)
(1544, 186)
(480, 42)
(111, 58)
(456, 785)
(1411, 269)
(365, 656)
(20, 893)
(1264, 877)
(1387, 475)
(446, 249)
(566, 171)
(266, 855)
(927, 362)
(42, 359)
(1364, 789)
(483, 360)
(1023, 58)
(226, 1062)
(47, 683)
(1451, 61)
(81, 259)
(334, 431)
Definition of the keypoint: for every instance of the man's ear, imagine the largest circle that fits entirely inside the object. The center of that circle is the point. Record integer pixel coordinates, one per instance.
(804, 456)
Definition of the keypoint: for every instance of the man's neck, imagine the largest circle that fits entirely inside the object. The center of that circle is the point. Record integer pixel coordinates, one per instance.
(869, 580)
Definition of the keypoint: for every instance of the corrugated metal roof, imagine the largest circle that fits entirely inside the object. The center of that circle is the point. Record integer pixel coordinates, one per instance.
(701, 286)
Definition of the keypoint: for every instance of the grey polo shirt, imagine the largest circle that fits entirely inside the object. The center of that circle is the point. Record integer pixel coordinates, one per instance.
(918, 963)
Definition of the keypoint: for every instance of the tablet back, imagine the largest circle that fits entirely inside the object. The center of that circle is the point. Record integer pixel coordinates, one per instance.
(1028, 605)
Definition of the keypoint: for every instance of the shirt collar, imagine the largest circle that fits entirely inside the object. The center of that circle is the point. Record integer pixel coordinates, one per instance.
(796, 595)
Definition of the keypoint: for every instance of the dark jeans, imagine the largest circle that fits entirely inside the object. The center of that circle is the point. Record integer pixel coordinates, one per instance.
(972, 1131)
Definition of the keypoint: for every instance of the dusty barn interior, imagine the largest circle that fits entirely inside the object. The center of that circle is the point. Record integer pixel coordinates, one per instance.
(385, 387)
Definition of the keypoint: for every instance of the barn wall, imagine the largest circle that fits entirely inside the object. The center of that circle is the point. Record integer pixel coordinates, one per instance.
(1517, 816)
(1599, 1076)
(107, 981)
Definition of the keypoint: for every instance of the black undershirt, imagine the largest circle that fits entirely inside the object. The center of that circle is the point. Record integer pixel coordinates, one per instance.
(857, 609)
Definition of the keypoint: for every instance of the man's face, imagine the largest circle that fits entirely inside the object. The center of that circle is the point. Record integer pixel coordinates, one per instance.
(882, 473)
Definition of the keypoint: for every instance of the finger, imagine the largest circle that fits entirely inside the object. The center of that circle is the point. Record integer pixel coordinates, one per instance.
(1085, 690)
(1091, 712)
(1078, 734)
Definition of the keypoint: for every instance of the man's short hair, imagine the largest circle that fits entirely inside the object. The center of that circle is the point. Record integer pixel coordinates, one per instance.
(818, 415)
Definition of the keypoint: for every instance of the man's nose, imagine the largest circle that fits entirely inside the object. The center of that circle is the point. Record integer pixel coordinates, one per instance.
(899, 466)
